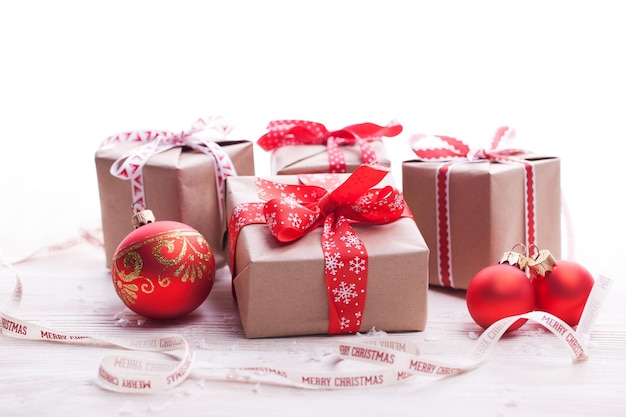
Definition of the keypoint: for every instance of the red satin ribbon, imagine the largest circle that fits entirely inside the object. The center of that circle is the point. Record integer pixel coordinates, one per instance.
(291, 211)
(456, 152)
(302, 132)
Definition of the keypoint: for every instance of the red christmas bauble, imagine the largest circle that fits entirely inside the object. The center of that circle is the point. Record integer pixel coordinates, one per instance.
(499, 291)
(163, 270)
(563, 291)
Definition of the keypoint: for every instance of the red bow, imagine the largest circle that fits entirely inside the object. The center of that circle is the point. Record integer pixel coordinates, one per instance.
(302, 132)
(291, 211)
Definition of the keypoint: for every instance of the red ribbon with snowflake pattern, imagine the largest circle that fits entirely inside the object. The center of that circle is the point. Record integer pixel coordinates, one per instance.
(129, 166)
(302, 132)
(456, 151)
(291, 211)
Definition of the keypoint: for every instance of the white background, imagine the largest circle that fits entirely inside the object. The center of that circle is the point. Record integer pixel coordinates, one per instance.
(75, 72)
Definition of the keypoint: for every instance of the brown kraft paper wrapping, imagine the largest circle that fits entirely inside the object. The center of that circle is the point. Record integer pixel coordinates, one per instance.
(311, 159)
(281, 290)
(179, 186)
(486, 211)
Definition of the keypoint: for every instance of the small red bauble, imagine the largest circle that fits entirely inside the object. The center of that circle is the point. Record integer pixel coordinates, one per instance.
(499, 291)
(563, 290)
(163, 270)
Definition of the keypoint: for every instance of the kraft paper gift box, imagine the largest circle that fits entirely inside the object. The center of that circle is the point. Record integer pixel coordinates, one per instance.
(485, 211)
(179, 185)
(280, 288)
(302, 147)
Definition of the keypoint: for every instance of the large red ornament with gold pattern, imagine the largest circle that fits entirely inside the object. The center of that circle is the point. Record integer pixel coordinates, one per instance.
(163, 270)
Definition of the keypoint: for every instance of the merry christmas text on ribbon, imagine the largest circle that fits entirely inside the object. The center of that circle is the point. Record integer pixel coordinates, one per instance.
(291, 211)
(302, 132)
(396, 361)
(129, 166)
(453, 151)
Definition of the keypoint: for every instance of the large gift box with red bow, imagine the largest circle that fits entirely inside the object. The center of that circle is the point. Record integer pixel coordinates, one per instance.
(307, 260)
(474, 207)
(300, 146)
(180, 177)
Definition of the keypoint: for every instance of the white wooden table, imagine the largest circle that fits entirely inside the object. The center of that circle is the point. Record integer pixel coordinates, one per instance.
(528, 372)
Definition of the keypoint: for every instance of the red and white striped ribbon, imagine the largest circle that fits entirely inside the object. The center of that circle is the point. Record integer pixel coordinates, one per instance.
(129, 166)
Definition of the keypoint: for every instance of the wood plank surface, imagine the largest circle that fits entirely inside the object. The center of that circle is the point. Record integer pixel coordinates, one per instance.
(528, 373)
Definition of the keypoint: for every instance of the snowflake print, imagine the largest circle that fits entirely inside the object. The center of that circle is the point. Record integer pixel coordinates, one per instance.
(328, 231)
(357, 265)
(333, 262)
(344, 323)
(240, 208)
(322, 178)
(398, 202)
(241, 222)
(366, 198)
(345, 293)
(295, 219)
(351, 240)
(271, 220)
(261, 188)
(357, 208)
(280, 186)
(341, 220)
(290, 200)
(328, 245)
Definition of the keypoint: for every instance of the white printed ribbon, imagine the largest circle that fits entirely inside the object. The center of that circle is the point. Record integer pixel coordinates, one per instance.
(398, 360)
(129, 166)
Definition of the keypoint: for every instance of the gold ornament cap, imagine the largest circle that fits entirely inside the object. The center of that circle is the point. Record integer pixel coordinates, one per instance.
(515, 258)
(542, 262)
(142, 218)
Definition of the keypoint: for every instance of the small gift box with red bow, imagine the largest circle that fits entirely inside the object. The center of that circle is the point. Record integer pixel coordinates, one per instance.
(473, 206)
(180, 177)
(310, 259)
(301, 147)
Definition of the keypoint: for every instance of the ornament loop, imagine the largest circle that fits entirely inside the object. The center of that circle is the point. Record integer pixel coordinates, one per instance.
(535, 252)
(137, 203)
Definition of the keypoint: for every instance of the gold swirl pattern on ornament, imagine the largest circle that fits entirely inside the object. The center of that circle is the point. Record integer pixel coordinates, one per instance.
(190, 262)
(127, 289)
(192, 259)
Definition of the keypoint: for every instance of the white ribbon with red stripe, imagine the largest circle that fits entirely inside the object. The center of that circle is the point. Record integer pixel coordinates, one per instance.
(454, 152)
(129, 166)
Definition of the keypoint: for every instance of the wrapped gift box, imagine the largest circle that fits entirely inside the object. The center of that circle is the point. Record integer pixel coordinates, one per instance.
(179, 185)
(486, 213)
(280, 288)
(309, 159)
(302, 147)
